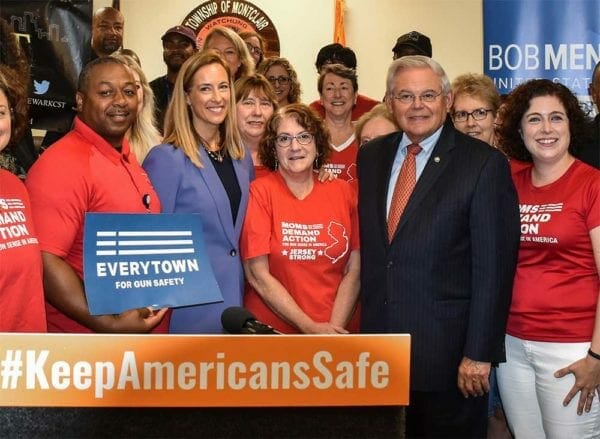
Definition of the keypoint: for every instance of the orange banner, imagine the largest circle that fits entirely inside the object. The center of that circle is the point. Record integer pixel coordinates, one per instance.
(203, 371)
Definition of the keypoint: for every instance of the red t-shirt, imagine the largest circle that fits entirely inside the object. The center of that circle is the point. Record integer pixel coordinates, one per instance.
(21, 290)
(261, 171)
(308, 243)
(363, 104)
(556, 283)
(83, 173)
(342, 161)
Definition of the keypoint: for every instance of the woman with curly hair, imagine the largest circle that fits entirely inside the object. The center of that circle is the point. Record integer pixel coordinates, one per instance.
(21, 292)
(300, 238)
(553, 329)
(283, 78)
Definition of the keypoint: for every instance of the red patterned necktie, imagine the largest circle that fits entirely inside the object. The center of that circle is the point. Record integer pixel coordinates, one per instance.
(404, 187)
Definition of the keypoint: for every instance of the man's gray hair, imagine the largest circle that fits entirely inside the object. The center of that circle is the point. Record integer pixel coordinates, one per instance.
(416, 62)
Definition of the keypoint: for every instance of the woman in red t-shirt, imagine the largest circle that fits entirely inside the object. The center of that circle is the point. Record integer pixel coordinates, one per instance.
(300, 236)
(553, 329)
(21, 292)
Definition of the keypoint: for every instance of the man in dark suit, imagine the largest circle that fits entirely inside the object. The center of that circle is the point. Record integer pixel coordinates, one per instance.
(445, 274)
(590, 152)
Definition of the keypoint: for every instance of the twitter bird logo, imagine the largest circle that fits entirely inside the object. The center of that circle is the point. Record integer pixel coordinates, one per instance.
(41, 87)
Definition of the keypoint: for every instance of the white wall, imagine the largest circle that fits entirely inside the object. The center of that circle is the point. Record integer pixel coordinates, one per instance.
(304, 26)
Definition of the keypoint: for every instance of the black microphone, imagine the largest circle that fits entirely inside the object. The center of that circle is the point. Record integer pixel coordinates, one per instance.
(238, 320)
(146, 200)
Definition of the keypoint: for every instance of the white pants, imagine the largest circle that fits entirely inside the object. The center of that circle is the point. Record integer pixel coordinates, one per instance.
(533, 398)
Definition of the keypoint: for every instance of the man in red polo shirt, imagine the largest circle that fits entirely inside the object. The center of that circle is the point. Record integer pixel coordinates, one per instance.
(91, 169)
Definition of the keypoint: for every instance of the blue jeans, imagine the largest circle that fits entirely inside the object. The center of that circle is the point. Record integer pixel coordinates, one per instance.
(494, 401)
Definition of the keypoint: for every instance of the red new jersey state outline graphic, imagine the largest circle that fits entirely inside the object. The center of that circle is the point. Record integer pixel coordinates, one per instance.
(339, 247)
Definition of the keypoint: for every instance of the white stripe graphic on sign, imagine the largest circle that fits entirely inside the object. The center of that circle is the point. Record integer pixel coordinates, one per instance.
(164, 233)
(165, 251)
(157, 242)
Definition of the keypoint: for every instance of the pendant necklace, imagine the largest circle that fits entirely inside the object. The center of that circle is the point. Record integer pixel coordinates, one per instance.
(215, 155)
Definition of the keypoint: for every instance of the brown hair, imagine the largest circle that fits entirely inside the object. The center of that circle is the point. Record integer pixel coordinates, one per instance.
(246, 35)
(339, 70)
(518, 102)
(16, 95)
(245, 85)
(307, 119)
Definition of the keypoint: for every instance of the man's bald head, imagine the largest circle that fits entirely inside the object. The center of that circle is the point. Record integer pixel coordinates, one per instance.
(107, 31)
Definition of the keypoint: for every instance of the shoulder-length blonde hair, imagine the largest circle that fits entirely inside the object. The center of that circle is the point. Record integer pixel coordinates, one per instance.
(179, 130)
(143, 133)
(246, 60)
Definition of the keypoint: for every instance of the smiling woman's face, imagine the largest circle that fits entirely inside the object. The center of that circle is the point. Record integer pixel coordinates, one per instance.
(480, 129)
(295, 159)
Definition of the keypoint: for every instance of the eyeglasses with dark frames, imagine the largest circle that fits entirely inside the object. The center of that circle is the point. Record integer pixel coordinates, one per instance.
(477, 114)
(283, 80)
(255, 50)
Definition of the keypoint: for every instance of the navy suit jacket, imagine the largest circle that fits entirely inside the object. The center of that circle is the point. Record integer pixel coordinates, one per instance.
(184, 188)
(589, 152)
(446, 277)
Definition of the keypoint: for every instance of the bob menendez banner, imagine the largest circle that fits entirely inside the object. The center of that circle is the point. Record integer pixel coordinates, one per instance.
(551, 39)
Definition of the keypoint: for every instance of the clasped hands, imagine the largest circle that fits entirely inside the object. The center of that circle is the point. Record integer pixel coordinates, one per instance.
(473, 377)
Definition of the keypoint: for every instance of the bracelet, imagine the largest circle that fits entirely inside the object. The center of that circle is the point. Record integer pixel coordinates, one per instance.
(593, 354)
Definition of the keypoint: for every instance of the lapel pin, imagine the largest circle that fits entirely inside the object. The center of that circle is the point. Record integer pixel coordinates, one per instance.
(436, 159)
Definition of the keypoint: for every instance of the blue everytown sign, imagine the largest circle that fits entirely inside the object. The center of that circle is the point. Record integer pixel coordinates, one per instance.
(138, 260)
(552, 39)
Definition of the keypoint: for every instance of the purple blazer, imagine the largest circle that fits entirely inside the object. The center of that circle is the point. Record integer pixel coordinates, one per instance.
(184, 188)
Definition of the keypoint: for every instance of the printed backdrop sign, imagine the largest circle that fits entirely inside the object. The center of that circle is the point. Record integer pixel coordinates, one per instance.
(56, 36)
(137, 260)
(237, 15)
(552, 39)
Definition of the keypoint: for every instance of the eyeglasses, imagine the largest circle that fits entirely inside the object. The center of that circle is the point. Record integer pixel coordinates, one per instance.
(285, 140)
(409, 98)
(283, 80)
(254, 50)
(477, 114)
